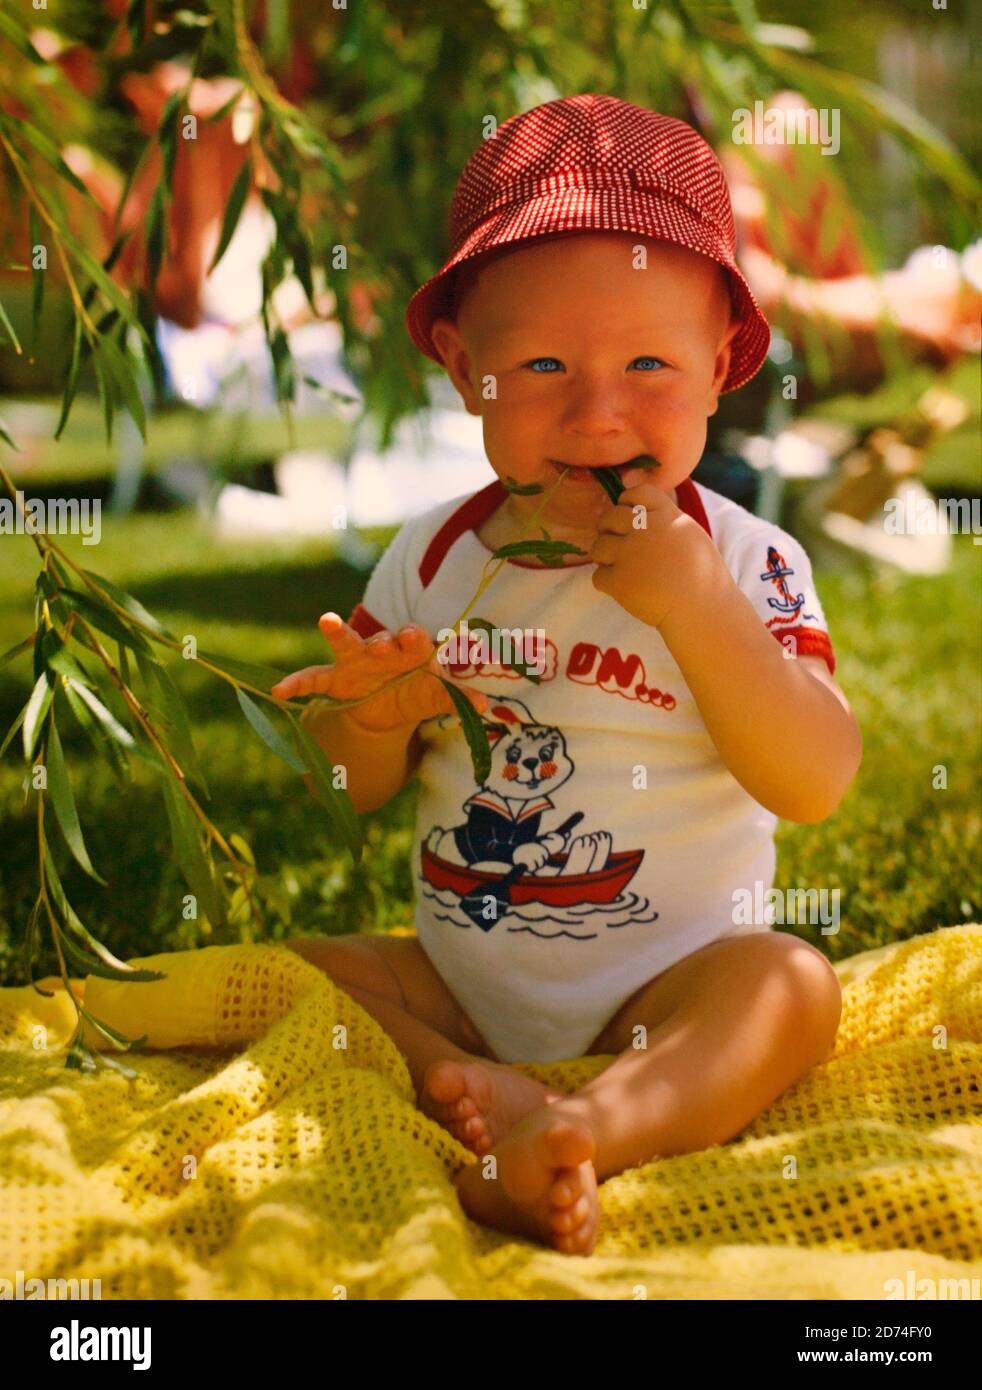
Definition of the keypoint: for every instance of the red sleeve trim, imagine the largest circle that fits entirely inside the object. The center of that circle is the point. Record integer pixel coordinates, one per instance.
(363, 622)
(688, 500)
(809, 641)
(468, 515)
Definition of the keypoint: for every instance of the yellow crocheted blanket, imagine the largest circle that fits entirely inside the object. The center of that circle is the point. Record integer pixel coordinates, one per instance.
(254, 1158)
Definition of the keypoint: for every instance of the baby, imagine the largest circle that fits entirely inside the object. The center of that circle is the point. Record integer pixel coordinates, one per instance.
(581, 900)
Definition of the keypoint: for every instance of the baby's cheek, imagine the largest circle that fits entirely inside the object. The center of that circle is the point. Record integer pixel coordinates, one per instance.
(548, 770)
(509, 772)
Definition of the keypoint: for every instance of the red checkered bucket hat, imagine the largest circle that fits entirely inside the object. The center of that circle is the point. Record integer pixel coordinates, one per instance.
(594, 162)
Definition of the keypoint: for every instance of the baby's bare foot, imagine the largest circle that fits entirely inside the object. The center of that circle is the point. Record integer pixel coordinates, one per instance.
(545, 1187)
(479, 1102)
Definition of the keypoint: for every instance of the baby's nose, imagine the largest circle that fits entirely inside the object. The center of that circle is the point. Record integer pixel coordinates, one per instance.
(530, 763)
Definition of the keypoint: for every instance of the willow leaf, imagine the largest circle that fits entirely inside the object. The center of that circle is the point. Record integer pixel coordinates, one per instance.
(548, 551)
(12, 652)
(107, 733)
(335, 800)
(611, 483)
(5, 436)
(91, 965)
(105, 620)
(35, 711)
(5, 320)
(105, 283)
(133, 606)
(8, 738)
(270, 735)
(192, 861)
(119, 1040)
(57, 657)
(171, 713)
(20, 38)
(259, 677)
(71, 922)
(30, 946)
(475, 732)
(120, 370)
(79, 1054)
(516, 664)
(63, 801)
(71, 382)
(106, 392)
(48, 151)
(102, 745)
(233, 210)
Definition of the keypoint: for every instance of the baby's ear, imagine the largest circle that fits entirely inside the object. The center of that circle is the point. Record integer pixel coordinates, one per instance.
(450, 345)
(446, 337)
(721, 367)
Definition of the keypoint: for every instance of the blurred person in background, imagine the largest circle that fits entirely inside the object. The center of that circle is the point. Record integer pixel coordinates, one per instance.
(811, 274)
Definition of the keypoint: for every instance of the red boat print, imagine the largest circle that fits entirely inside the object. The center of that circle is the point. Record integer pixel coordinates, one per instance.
(601, 887)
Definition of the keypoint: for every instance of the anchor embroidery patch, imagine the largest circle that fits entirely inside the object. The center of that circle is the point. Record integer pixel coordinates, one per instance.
(778, 572)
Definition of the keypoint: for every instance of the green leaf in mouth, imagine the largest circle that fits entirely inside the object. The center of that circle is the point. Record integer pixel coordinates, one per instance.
(610, 478)
(522, 489)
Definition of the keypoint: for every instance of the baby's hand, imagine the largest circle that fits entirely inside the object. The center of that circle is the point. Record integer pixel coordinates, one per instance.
(648, 552)
(363, 665)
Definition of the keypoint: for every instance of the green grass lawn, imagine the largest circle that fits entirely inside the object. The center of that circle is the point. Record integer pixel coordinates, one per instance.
(903, 854)
(230, 442)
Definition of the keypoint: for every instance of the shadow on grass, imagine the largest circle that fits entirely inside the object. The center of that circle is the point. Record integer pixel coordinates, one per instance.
(281, 594)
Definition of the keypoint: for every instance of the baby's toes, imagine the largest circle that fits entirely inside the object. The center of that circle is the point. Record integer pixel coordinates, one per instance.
(477, 1136)
(578, 1242)
(445, 1083)
(566, 1189)
(566, 1219)
(574, 1210)
(569, 1144)
(574, 1229)
(472, 1133)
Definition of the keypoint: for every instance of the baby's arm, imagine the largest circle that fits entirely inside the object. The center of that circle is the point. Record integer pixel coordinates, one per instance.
(783, 727)
(378, 764)
(376, 740)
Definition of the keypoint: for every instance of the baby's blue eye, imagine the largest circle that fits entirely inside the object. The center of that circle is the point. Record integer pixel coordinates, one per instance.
(534, 360)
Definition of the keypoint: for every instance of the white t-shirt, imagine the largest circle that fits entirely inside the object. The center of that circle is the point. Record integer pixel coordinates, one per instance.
(665, 839)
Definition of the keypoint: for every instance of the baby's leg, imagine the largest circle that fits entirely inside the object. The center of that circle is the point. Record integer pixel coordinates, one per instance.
(394, 981)
(726, 1031)
(457, 1079)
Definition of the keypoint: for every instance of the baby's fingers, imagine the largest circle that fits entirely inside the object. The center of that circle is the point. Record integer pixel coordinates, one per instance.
(312, 680)
(341, 636)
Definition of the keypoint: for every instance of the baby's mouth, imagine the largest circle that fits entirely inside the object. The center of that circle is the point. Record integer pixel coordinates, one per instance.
(589, 474)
